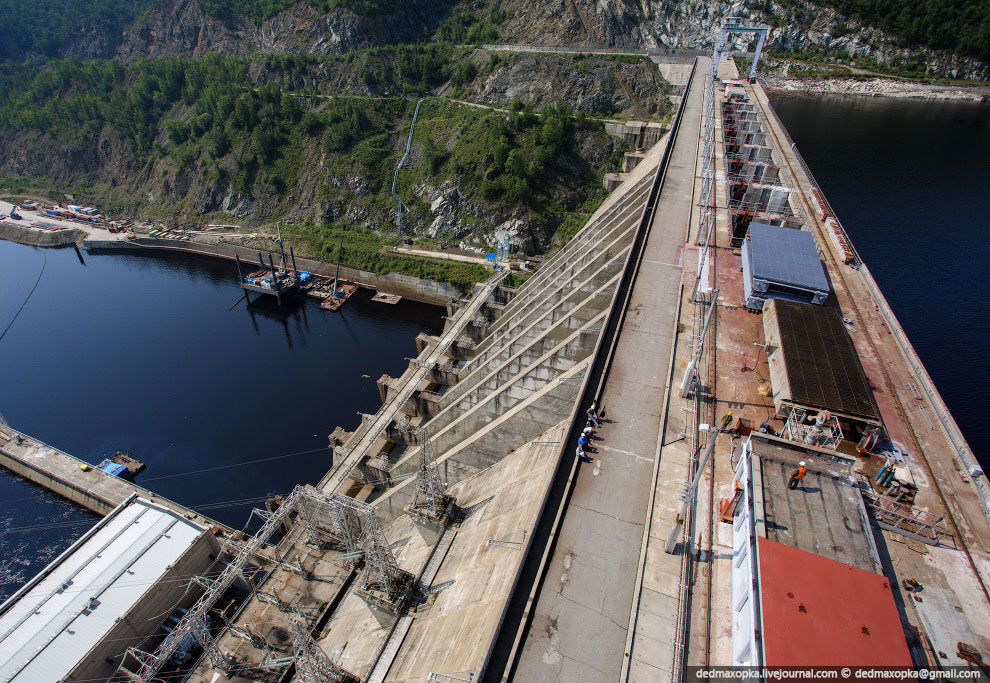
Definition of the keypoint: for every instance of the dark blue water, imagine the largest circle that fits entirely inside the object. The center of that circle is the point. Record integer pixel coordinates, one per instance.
(141, 354)
(910, 182)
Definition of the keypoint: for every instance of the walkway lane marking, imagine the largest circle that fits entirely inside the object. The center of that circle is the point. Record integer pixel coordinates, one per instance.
(629, 453)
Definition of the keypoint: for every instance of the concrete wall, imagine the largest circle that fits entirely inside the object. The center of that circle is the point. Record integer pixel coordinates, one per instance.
(150, 610)
(408, 286)
(39, 238)
(637, 133)
(77, 494)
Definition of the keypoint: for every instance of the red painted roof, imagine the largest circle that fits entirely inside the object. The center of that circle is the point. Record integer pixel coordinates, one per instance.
(815, 611)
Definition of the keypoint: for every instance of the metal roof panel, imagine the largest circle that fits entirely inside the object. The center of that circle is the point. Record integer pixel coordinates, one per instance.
(49, 628)
(823, 366)
(786, 256)
(819, 612)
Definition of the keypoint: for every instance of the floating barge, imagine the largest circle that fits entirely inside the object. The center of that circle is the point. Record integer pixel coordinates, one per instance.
(340, 291)
(338, 297)
(272, 281)
(386, 298)
(122, 465)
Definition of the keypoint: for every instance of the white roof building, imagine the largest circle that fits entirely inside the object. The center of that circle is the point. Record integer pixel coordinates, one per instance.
(84, 607)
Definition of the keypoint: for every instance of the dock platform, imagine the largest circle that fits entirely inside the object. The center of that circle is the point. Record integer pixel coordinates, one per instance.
(336, 300)
(386, 298)
(65, 475)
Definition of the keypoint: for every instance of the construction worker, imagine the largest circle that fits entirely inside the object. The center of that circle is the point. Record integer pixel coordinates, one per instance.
(726, 420)
(593, 416)
(797, 475)
(583, 456)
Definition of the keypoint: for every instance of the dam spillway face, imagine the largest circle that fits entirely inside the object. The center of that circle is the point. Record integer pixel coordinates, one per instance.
(516, 368)
(453, 469)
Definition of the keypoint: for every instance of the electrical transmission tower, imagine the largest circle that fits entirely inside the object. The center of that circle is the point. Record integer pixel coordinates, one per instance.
(336, 518)
(313, 665)
(431, 500)
(384, 583)
(331, 518)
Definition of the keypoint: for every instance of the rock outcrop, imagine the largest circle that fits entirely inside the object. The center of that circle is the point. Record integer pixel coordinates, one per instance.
(594, 83)
(182, 28)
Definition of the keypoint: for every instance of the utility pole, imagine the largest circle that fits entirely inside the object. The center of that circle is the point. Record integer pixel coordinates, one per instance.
(691, 494)
(691, 372)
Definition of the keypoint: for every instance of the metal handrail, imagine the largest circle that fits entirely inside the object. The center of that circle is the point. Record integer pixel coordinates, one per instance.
(949, 426)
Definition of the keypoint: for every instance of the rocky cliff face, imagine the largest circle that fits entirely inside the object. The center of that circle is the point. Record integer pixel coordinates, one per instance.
(694, 24)
(594, 84)
(181, 28)
(602, 23)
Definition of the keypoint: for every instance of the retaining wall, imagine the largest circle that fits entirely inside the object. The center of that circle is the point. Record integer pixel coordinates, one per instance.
(39, 238)
(408, 286)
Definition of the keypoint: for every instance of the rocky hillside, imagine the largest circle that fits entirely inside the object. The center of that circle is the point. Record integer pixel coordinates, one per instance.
(630, 87)
(183, 28)
(201, 140)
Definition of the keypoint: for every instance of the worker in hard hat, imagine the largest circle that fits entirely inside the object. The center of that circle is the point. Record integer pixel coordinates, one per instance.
(797, 475)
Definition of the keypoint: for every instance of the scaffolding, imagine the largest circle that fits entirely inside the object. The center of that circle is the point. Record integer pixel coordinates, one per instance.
(431, 501)
(706, 226)
(904, 519)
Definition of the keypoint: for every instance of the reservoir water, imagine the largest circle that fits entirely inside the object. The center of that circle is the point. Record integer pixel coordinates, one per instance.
(909, 180)
(140, 354)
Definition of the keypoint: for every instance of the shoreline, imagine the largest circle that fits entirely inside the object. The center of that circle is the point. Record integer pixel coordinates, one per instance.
(432, 292)
(423, 290)
(874, 87)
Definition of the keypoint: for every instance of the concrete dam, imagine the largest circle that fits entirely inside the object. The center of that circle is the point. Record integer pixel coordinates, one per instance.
(458, 537)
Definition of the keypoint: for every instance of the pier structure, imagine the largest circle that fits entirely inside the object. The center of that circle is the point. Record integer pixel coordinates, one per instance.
(79, 481)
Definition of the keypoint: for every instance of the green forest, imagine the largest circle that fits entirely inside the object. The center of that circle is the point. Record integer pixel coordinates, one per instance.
(209, 118)
(40, 29)
(962, 26)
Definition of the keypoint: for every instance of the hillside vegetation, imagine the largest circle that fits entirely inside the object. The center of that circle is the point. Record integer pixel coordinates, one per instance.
(961, 26)
(201, 138)
(41, 29)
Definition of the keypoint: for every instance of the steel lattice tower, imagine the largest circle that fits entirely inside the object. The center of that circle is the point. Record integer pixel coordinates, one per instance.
(313, 665)
(431, 497)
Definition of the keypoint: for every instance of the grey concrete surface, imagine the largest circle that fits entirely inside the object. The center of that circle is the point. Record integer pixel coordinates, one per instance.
(581, 617)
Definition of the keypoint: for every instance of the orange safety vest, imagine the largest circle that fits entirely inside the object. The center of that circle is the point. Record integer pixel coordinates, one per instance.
(799, 473)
